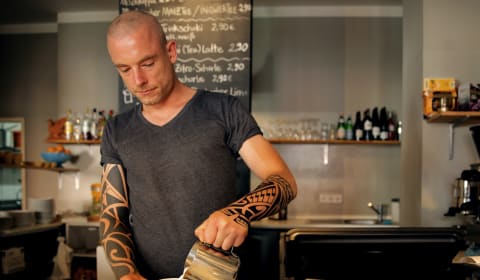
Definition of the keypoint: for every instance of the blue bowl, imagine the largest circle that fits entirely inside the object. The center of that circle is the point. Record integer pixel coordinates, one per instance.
(58, 158)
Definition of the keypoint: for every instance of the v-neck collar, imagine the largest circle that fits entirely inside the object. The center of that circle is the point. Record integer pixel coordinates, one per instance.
(174, 119)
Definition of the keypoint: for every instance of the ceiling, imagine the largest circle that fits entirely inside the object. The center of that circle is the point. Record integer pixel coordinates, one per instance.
(33, 11)
(29, 11)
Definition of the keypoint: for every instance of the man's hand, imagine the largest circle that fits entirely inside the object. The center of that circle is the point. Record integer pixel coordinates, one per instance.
(221, 230)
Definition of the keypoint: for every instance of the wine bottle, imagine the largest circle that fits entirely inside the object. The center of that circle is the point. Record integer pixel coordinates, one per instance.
(367, 126)
(375, 124)
(358, 126)
(383, 124)
(392, 133)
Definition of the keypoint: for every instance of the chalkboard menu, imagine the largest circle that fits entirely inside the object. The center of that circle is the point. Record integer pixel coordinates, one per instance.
(213, 43)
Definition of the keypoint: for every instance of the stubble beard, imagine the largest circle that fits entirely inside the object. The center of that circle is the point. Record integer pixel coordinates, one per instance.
(156, 98)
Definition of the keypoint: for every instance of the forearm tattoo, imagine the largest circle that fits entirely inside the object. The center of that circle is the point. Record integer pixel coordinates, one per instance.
(267, 199)
(114, 226)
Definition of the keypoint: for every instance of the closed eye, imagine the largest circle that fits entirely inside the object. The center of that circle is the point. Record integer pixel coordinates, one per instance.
(123, 70)
(148, 64)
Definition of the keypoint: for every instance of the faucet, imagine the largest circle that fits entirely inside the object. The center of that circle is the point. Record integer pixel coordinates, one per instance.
(380, 212)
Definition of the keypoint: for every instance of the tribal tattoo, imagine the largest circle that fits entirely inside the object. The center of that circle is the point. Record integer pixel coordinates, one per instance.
(116, 235)
(267, 199)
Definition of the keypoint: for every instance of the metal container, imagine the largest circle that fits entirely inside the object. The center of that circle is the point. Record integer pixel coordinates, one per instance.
(207, 262)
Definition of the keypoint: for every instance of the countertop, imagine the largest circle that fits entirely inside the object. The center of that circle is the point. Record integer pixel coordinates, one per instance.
(268, 223)
(29, 229)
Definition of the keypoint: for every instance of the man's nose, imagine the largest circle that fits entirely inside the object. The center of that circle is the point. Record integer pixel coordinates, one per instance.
(140, 77)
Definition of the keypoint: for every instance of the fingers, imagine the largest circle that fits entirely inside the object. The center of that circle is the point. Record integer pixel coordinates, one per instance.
(221, 231)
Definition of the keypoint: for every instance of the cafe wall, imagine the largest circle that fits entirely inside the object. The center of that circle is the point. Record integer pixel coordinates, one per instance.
(64, 67)
(69, 68)
(320, 68)
(450, 49)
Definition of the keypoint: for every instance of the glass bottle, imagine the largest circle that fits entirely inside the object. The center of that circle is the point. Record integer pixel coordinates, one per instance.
(383, 124)
(69, 125)
(395, 210)
(367, 126)
(375, 124)
(349, 129)
(77, 127)
(358, 126)
(399, 131)
(110, 115)
(341, 128)
(101, 123)
(94, 124)
(392, 134)
(86, 125)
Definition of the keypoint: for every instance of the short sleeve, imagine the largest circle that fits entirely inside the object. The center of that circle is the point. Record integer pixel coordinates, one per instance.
(240, 125)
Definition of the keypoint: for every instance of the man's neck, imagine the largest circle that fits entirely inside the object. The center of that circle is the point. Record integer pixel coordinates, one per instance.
(166, 110)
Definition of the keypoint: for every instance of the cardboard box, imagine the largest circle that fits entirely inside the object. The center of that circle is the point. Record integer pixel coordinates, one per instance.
(432, 101)
(13, 260)
(439, 84)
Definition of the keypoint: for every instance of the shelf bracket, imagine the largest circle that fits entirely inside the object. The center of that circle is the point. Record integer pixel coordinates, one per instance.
(325, 154)
(451, 128)
(60, 180)
(77, 181)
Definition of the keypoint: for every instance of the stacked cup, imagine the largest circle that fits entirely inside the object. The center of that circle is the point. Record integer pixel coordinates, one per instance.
(44, 209)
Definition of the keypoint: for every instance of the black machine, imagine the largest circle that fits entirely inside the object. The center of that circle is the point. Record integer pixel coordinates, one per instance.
(466, 190)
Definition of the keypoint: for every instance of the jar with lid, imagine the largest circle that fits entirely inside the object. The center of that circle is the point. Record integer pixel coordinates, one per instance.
(395, 210)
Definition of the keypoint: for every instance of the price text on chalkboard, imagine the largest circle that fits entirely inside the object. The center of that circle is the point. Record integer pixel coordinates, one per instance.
(213, 43)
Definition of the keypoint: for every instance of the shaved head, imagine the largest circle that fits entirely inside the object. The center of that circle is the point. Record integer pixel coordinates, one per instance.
(132, 21)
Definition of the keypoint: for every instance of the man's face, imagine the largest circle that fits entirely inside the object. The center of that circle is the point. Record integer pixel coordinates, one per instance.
(144, 63)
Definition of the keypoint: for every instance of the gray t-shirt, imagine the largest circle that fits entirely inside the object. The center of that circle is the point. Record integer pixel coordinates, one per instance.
(177, 174)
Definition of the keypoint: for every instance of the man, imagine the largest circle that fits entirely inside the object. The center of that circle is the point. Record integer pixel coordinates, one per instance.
(169, 163)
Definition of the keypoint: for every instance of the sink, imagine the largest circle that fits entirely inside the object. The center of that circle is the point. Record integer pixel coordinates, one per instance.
(343, 221)
(362, 222)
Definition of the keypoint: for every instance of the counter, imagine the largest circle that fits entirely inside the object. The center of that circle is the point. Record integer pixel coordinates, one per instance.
(313, 247)
(35, 248)
(319, 223)
(30, 229)
(373, 253)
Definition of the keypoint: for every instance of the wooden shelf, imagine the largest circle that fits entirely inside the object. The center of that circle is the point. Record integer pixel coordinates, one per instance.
(74, 142)
(456, 117)
(334, 142)
(54, 169)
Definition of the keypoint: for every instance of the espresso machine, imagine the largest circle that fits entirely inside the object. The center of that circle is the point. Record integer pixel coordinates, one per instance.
(466, 189)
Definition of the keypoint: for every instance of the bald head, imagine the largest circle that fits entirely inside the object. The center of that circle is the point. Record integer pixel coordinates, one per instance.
(132, 21)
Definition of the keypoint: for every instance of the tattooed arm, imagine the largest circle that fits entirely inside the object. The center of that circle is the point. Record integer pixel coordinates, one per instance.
(114, 226)
(228, 227)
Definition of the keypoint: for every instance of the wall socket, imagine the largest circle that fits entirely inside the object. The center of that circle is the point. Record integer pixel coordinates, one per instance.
(331, 198)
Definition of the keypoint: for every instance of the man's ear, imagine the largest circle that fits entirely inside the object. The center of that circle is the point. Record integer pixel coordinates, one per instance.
(172, 51)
